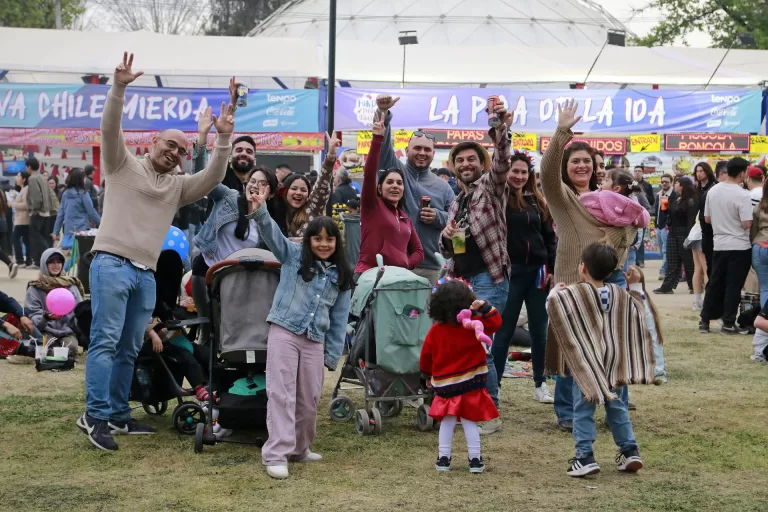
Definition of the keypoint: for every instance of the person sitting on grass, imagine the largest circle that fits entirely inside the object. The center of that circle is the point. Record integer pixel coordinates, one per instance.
(581, 315)
(14, 327)
(63, 328)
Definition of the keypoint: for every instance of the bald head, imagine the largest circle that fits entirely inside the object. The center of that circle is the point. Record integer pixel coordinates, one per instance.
(168, 148)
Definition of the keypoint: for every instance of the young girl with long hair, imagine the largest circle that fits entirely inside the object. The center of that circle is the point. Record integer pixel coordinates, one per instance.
(453, 358)
(531, 245)
(682, 213)
(705, 180)
(654, 326)
(308, 325)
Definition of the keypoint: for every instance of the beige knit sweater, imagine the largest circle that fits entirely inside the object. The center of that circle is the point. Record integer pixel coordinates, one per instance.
(575, 227)
(140, 203)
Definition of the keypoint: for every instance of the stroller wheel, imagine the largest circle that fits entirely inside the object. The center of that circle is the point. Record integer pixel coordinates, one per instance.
(199, 432)
(362, 422)
(187, 416)
(389, 409)
(425, 420)
(341, 409)
(155, 409)
(376, 420)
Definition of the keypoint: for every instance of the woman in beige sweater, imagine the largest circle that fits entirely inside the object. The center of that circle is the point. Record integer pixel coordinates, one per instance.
(565, 174)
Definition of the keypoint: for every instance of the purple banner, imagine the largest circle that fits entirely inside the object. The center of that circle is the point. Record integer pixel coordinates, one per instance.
(606, 111)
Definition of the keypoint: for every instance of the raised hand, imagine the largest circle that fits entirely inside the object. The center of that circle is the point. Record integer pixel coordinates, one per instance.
(476, 305)
(378, 124)
(124, 71)
(333, 145)
(386, 102)
(233, 93)
(567, 115)
(204, 125)
(257, 195)
(225, 122)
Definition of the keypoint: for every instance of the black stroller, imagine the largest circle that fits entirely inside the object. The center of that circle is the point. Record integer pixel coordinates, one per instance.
(240, 289)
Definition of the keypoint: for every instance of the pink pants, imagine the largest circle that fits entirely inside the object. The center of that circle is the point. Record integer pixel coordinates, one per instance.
(294, 383)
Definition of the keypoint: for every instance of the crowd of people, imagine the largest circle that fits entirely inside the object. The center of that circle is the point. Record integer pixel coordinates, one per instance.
(566, 243)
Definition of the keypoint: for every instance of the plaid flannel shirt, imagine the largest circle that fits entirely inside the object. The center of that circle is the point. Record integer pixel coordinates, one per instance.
(487, 211)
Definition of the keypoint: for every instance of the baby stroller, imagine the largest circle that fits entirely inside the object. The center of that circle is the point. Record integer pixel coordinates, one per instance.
(391, 304)
(241, 289)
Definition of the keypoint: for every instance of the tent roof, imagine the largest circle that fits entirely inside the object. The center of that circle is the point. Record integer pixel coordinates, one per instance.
(58, 56)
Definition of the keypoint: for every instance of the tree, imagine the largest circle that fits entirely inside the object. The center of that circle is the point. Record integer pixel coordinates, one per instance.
(238, 17)
(723, 20)
(162, 16)
(38, 13)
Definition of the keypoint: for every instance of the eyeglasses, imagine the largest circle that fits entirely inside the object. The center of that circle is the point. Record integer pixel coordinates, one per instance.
(419, 133)
(260, 183)
(172, 145)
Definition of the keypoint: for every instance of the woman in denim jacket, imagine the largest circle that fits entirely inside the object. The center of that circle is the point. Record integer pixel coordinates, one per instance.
(308, 324)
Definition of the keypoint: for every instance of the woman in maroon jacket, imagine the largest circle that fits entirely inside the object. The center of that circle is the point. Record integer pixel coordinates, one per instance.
(385, 227)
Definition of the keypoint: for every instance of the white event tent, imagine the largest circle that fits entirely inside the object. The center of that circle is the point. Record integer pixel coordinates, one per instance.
(60, 56)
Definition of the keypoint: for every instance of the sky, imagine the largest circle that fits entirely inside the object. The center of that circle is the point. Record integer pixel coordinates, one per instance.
(641, 24)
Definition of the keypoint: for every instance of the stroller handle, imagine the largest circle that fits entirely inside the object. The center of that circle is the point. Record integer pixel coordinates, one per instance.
(379, 260)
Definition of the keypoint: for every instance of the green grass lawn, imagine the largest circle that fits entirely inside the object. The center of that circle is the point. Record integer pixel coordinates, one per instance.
(703, 438)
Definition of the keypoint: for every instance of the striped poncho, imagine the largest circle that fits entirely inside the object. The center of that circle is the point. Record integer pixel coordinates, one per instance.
(603, 350)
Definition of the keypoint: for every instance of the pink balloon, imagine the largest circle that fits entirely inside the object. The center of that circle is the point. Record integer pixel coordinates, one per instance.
(60, 301)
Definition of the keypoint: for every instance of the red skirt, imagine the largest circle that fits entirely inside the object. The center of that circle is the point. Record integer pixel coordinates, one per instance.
(476, 405)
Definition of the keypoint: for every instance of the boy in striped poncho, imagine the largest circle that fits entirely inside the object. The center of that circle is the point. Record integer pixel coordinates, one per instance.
(603, 337)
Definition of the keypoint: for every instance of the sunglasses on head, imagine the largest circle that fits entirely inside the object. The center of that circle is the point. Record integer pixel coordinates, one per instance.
(419, 133)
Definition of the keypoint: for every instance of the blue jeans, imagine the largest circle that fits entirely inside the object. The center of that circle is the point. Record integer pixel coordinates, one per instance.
(760, 264)
(565, 388)
(632, 257)
(496, 295)
(661, 238)
(122, 300)
(616, 415)
(523, 289)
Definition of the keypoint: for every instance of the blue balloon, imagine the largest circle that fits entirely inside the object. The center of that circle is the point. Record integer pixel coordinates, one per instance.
(177, 241)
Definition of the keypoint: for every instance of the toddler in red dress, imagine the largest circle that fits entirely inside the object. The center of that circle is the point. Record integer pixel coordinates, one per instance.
(453, 358)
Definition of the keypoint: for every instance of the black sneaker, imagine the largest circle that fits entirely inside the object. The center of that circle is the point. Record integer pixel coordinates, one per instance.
(565, 425)
(629, 461)
(130, 427)
(662, 291)
(443, 463)
(97, 432)
(704, 327)
(583, 466)
(732, 330)
(476, 465)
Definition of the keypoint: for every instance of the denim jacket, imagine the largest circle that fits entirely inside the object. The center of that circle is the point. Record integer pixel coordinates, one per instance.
(317, 308)
(224, 211)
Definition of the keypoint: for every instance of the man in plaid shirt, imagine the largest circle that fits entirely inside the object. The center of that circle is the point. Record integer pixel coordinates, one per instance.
(480, 210)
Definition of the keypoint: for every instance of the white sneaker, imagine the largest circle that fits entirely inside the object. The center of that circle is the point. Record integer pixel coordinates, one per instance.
(415, 403)
(543, 395)
(697, 306)
(507, 372)
(310, 457)
(489, 427)
(756, 358)
(278, 472)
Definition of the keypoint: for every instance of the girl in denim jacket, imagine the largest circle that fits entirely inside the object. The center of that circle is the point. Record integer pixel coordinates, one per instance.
(308, 324)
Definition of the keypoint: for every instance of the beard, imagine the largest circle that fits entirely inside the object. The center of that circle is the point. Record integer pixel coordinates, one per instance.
(242, 166)
(413, 164)
(470, 179)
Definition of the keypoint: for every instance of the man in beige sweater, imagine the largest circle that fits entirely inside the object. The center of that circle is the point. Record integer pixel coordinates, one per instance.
(141, 199)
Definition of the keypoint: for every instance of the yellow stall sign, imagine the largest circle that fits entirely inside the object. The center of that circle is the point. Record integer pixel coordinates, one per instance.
(758, 144)
(402, 137)
(524, 141)
(647, 143)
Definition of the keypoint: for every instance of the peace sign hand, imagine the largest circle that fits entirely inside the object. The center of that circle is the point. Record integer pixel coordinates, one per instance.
(333, 146)
(205, 123)
(257, 195)
(378, 127)
(225, 122)
(567, 115)
(124, 72)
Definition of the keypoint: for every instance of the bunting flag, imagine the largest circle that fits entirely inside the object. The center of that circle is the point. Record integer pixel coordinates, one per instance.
(47, 151)
(63, 154)
(84, 155)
